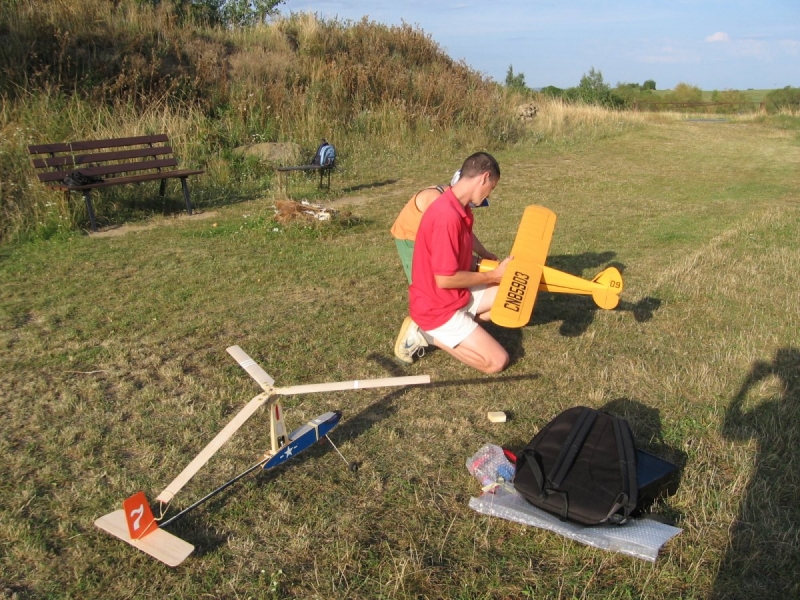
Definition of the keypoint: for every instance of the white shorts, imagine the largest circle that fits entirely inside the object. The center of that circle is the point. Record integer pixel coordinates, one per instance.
(462, 323)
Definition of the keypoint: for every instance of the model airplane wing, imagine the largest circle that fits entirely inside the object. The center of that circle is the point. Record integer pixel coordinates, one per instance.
(517, 291)
(252, 367)
(526, 274)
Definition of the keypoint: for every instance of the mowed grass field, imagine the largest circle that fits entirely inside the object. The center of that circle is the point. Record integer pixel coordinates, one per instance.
(752, 95)
(114, 375)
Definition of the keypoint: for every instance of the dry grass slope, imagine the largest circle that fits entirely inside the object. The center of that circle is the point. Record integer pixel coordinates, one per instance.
(95, 69)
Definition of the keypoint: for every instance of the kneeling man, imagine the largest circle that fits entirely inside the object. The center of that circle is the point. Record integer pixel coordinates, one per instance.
(446, 295)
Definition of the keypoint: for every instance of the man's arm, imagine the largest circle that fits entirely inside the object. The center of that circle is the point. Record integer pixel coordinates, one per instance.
(480, 250)
(466, 279)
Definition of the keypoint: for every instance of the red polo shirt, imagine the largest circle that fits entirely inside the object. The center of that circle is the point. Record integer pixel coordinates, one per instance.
(443, 246)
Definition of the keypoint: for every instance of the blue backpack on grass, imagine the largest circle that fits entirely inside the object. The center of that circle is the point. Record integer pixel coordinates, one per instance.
(325, 156)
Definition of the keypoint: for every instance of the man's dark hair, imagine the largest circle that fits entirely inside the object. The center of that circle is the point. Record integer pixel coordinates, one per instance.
(478, 163)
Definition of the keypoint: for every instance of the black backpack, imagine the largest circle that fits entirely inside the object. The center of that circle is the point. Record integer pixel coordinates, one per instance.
(581, 467)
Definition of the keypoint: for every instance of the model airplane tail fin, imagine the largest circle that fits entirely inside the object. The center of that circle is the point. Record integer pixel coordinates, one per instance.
(134, 524)
(607, 297)
(611, 278)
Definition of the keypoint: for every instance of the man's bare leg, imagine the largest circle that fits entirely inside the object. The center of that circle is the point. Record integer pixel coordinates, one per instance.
(479, 351)
(485, 306)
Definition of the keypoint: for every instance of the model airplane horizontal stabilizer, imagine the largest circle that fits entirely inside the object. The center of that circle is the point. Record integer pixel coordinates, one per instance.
(160, 544)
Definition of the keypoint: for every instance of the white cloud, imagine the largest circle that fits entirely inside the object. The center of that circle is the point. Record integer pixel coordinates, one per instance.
(720, 36)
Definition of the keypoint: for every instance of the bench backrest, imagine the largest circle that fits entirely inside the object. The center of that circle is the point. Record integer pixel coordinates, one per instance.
(54, 162)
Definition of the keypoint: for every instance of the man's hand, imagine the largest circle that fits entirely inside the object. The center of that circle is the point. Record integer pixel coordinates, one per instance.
(466, 279)
(496, 275)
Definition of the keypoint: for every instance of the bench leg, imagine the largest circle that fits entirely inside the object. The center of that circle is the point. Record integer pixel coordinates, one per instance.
(87, 195)
(283, 187)
(163, 189)
(185, 188)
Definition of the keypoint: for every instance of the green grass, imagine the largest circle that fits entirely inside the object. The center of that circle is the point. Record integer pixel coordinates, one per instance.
(752, 95)
(114, 375)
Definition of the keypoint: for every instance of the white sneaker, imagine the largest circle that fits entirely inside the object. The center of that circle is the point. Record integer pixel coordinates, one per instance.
(409, 342)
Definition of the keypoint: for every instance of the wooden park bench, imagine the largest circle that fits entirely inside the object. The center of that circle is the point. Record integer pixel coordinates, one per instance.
(324, 162)
(88, 165)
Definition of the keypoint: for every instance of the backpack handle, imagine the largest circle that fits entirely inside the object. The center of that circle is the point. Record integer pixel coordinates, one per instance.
(532, 458)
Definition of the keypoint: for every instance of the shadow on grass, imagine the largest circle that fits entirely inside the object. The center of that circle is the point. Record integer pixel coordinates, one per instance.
(576, 312)
(763, 559)
(193, 527)
(366, 186)
(358, 424)
(645, 422)
(126, 204)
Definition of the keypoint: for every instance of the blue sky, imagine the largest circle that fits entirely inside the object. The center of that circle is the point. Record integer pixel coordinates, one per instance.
(713, 44)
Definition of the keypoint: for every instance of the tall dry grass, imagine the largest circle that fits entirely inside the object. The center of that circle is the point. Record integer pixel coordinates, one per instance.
(388, 97)
(93, 69)
(558, 120)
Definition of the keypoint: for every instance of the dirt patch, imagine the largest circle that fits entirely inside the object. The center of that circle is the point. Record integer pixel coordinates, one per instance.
(125, 228)
(348, 201)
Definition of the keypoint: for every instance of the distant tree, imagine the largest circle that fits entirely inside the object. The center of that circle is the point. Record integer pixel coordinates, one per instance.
(649, 85)
(732, 100)
(628, 92)
(684, 92)
(552, 91)
(233, 13)
(787, 98)
(593, 90)
(515, 81)
(592, 83)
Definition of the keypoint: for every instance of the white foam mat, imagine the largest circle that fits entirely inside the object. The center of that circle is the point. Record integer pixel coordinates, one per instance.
(642, 538)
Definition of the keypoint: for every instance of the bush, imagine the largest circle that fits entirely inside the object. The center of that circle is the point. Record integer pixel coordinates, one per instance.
(785, 99)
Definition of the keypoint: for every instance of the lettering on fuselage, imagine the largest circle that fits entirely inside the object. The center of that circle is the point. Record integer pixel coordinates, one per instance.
(516, 292)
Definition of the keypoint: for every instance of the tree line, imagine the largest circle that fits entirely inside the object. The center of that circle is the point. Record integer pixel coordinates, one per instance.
(592, 89)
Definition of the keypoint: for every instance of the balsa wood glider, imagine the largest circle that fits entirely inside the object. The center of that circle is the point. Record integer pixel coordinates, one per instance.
(135, 523)
(527, 274)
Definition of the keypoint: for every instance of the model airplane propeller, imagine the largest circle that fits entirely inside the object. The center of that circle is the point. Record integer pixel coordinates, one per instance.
(135, 523)
(527, 274)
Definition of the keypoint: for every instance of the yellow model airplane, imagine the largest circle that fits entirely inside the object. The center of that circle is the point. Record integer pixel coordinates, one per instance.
(526, 274)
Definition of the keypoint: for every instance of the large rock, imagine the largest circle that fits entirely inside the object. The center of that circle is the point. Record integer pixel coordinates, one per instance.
(527, 112)
(281, 153)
